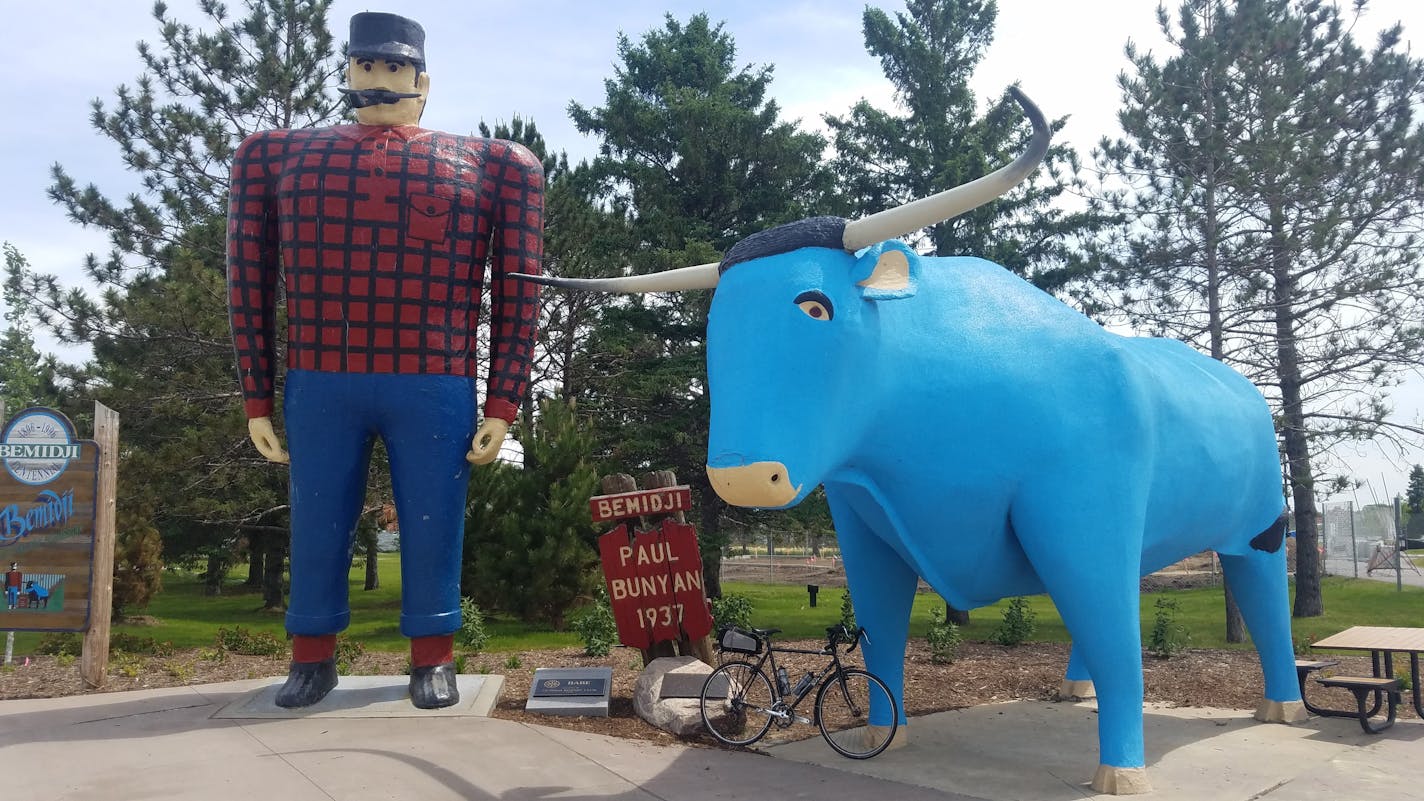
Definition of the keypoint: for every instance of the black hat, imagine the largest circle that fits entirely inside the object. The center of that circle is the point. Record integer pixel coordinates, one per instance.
(387, 36)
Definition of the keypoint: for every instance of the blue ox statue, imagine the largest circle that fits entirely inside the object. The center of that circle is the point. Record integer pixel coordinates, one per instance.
(973, 430)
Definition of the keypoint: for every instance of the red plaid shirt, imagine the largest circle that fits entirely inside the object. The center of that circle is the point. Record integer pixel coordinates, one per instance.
(383, 234)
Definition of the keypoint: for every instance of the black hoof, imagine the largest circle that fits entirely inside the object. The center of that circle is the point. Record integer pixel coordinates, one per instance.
(434, 687)
(307, 683)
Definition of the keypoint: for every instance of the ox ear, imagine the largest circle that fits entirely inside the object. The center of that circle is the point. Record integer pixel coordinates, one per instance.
(887, 271)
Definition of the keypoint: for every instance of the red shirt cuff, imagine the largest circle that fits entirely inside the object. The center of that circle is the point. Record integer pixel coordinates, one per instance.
(501, 409)
(258, 407)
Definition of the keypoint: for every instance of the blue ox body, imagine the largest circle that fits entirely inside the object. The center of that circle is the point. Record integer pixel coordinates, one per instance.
(974, 431)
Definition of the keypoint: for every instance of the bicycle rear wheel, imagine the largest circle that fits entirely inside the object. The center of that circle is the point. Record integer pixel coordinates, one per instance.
(856, 713)
(736, 703)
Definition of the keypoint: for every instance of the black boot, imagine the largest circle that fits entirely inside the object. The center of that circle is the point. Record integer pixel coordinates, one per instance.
(307, 683)
(433, 686)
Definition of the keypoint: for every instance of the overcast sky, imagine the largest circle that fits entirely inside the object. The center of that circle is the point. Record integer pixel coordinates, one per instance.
(492, 60)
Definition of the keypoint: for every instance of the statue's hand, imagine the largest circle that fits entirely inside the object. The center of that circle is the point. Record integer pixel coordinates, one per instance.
(260, 430)
(487, 441)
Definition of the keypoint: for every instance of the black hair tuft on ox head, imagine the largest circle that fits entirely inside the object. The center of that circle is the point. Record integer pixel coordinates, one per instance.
(812, 232)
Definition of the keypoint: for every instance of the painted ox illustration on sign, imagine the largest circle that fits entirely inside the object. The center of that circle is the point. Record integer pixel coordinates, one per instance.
(972, 430)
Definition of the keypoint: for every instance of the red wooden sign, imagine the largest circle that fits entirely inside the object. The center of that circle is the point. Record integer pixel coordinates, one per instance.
(642, 502)
(655, 584)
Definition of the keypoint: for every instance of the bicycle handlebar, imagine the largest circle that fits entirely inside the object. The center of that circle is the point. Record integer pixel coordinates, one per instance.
(838, 634)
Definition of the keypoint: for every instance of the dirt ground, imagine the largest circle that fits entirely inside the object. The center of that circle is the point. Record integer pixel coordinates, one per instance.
(1195, 571)
(982, 673)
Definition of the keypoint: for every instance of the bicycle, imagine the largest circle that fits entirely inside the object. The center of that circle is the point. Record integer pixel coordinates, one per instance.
(854, 709)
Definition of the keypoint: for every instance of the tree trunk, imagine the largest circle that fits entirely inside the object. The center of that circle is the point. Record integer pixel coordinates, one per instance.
(274, 569)
(1308, 601)
(373, 576)
(1235, 626)
(711, 542)
(255, 544)
(959, 617)
(212, 580)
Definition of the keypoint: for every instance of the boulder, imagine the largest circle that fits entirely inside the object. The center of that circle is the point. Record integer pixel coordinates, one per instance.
(666, 694)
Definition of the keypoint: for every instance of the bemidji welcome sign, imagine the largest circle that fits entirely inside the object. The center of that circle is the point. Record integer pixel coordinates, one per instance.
(48, 488)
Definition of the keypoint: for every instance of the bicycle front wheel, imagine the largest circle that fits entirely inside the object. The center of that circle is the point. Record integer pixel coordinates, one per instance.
(856, 713)
(736, 703)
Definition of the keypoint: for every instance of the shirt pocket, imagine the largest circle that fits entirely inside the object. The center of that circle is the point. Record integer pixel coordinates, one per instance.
(428, 217)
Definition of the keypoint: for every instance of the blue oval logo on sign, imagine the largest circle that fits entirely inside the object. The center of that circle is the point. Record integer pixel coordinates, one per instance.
(37, 446)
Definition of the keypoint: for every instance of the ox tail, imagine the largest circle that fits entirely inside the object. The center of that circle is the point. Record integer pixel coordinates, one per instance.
(1270, 540)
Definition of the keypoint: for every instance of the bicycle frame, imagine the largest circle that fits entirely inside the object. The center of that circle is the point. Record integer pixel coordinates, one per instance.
(832, 668)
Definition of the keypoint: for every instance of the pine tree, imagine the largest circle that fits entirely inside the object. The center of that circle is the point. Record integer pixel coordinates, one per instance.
(530, 548)
(26, 377)
(938, 141)
(1287, 160)
(1414, 504)
(695, 157)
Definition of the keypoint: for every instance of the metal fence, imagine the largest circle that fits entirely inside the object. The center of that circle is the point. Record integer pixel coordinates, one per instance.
(1351, 537)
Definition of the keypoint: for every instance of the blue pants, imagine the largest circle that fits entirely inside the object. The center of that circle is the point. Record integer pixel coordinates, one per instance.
(426, 423)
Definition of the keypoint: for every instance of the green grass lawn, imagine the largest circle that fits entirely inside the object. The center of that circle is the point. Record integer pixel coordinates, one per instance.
(1348, 602)
(189, 619)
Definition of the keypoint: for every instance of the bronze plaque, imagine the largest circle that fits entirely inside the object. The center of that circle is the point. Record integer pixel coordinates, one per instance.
(48, 481)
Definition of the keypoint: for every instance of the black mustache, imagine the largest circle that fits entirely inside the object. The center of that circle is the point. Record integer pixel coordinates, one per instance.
(361, 98)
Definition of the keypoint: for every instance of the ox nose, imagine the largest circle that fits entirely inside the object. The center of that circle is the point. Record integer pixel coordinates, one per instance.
(763, 484)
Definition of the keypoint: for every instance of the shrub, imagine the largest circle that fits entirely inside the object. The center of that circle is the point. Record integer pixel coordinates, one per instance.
(61, 643)
(596, 627)
(472, 634)
(239, 640)
(133, 644)
(347, 652)
(126, 664)
(944, 638)
(461, 662)
(1017, 625)
(513, 662)
(848, 613)
(732, 610)
(1168, 637)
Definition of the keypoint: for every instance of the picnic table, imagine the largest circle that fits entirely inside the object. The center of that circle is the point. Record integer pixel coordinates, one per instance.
(1383, 642)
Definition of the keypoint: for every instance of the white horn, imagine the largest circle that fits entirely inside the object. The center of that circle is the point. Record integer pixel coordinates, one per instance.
(951, 203)
(702, 276)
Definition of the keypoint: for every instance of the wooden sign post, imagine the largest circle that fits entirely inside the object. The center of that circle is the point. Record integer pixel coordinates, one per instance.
(652, 567)
(57, 528)
(94, 661)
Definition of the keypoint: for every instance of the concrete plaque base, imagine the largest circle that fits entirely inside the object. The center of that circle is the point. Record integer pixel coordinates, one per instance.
(547, 692)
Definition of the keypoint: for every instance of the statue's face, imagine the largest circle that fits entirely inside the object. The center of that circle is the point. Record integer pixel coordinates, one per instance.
(400, 77)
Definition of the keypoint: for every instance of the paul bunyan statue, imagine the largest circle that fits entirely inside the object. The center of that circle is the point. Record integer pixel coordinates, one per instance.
(380, 233)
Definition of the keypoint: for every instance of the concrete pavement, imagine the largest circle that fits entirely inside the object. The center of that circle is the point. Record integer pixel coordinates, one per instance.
(1346, 568)
(160, 744)
(1043, 751)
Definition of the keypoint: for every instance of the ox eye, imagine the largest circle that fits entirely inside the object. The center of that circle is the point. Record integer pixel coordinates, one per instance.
(816, 305)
